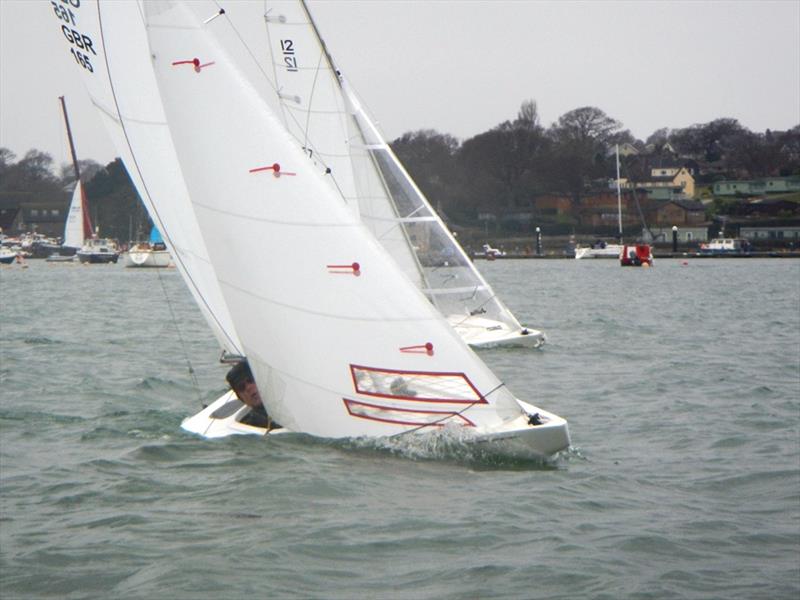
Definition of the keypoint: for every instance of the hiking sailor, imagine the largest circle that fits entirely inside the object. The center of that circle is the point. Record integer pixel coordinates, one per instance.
(242, 383)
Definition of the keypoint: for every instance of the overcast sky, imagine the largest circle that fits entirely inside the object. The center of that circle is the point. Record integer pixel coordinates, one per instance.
(462, 67)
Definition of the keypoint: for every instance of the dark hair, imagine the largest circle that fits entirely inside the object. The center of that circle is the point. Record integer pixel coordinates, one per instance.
(239, 374)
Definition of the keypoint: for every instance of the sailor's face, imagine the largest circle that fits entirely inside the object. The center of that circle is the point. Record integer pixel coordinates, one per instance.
(248, 393)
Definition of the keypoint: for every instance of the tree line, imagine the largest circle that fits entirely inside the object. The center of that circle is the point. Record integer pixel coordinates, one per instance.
(114, 203)
(500, 170)
(503, 169)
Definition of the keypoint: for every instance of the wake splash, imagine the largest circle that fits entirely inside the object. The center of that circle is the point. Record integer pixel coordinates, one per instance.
(453, 444)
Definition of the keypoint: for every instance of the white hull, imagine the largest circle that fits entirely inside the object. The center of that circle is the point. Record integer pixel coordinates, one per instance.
(517, 437)
(221, 419)
(520, 438)
(7, 256)
(610, 251)
(58, 258)
(148, 258)
(480, 332)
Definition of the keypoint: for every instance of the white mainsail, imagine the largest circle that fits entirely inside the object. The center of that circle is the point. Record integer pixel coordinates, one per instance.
(323, 313)
(119, 78)
(74, 226)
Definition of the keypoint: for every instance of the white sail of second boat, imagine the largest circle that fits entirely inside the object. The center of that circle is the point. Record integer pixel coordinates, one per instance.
(279, 50)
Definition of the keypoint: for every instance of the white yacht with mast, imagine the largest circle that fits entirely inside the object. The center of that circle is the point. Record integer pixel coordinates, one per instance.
(78, 225)
(601, 249)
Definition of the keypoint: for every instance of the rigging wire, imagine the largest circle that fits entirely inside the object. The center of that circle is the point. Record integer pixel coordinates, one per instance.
(288, 115)
(195, 383)
(452, 414)
(636, 199)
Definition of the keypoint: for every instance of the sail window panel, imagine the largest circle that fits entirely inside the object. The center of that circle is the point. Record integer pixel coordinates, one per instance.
(404, 416)
(453, 285)
(406, 200)
(421, 386)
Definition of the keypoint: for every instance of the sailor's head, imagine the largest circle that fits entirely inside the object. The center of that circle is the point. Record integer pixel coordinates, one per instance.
(240, 378)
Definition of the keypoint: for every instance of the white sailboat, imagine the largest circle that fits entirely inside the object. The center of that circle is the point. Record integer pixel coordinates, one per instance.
(289, 65)
(73, 228)
(601, 249)
(152, 254)
(340, 342)
(78, 225)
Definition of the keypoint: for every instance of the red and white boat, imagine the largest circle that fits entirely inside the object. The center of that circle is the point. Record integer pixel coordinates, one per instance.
(636, 255)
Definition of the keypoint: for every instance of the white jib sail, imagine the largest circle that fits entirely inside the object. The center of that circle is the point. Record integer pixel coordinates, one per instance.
(111, 41)
(340, 342)
(73, 228)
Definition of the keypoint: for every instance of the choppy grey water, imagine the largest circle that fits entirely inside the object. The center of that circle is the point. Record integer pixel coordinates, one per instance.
(681, 384)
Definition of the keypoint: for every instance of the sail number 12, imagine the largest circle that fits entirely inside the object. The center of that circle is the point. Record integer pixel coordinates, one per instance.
(289, 59)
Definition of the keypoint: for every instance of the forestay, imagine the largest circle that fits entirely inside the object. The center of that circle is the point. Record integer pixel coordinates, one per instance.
(341, 344)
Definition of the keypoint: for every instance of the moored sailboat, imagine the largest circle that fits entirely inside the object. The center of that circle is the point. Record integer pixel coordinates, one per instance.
(78, 224)
(628, 255)
(152, 254)
(340, 342)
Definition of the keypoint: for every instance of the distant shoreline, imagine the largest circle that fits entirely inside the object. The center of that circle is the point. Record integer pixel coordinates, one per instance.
(656, 254)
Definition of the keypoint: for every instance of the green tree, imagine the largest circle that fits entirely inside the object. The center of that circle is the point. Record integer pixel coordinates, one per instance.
(581, 141)
(115, 205)
(430, 158)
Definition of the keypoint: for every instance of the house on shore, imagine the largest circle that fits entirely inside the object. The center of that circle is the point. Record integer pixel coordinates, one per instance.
(757, 187)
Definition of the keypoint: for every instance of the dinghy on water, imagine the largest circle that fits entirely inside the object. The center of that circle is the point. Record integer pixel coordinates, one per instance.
(341, 342)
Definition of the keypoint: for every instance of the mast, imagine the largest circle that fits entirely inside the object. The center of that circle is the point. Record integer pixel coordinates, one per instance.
(322, 44)
(353, 101)
(88, 231)
(619, 197)
(71, 143)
